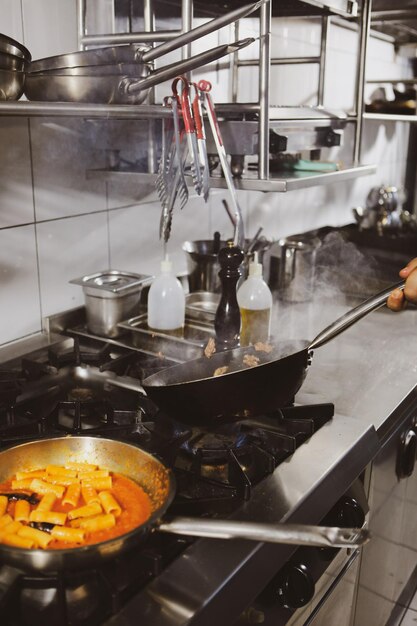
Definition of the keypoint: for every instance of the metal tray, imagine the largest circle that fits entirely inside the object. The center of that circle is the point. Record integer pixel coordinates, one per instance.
(189, 346)
(202, 305)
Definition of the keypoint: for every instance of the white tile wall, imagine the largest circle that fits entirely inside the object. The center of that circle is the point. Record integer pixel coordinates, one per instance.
(70, 248)
(11, 19)
(50, 27)
(16, 193)
(56, 223)
(62, 152)
(19, 289)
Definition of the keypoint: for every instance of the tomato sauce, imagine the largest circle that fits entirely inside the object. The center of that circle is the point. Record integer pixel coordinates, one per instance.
(135, 504)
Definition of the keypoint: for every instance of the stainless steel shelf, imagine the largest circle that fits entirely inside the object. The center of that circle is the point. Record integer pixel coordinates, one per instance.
(276, 183)
(389, 117)
(281, 113)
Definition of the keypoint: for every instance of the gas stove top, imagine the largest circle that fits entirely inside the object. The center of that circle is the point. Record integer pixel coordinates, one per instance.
(245, 470)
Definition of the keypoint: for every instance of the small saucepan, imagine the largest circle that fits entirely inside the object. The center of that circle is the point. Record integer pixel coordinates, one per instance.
(158, 481)
(198, 393)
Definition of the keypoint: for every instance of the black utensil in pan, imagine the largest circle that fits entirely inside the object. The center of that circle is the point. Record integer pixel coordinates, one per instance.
(158, 482)
(192, 392)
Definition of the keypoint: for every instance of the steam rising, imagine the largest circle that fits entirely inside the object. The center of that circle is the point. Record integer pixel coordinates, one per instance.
(343, 277)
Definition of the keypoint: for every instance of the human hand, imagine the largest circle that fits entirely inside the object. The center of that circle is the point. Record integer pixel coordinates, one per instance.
(398, 298)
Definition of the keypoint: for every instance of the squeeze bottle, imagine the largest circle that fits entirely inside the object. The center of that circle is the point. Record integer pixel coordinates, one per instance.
(255, 303)
(166, 302)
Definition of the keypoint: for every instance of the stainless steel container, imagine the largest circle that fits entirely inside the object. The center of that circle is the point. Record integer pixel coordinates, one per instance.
(296, 267)
(111, 296)
(203, 265)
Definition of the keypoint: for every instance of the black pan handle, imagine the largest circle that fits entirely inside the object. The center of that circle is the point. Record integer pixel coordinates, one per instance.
(354, 315)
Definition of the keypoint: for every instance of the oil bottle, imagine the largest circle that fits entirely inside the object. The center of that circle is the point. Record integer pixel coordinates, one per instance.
(255, 303)
(166, 302)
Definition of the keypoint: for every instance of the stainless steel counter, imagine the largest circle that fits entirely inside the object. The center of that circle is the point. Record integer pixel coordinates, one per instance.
(366, 372)
(369, 369)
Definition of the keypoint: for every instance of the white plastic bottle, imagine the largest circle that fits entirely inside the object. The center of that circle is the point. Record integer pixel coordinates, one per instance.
(255, 304)
(166, 302)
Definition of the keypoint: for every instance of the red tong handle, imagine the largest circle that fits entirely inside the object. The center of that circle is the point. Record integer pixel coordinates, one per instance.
(198, 114)
(205, 86)
(184, 102)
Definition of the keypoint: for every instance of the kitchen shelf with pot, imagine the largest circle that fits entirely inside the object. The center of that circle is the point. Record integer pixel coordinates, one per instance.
(277, 182)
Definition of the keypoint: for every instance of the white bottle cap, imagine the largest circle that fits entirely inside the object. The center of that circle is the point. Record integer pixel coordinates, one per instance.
(166, 265)
(255, 268)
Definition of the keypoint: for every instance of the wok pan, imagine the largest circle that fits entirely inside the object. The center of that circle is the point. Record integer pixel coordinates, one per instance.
(192, 394)
(122, 85)
(158, 482)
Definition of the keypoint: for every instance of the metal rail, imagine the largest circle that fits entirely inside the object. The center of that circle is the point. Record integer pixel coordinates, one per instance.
(364, 28)
(265, 62)
(264, 67)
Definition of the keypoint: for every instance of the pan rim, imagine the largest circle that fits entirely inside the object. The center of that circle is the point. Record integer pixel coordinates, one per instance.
(148, 381)
(151, 522)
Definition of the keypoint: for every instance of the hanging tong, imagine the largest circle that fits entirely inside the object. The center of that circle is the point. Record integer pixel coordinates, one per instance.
(201, 140)
(239, 236)
(167, 155)
(174, 184)
(187, 115)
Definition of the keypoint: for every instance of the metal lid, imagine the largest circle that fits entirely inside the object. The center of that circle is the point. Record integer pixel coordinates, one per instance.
(114, 281)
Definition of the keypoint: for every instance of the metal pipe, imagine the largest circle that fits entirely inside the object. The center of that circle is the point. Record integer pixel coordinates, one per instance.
(187, 24)
(234, 65)
(281, 61)
(149, 26)
(325, 22)
(394, 14)
(190, 34)
(141, 37)
(86, 110)
(264, 60)
(81, 11)
(131, 86)
(365, 24)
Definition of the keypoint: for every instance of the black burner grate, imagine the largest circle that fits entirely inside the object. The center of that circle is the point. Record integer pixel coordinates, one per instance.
(216, 470)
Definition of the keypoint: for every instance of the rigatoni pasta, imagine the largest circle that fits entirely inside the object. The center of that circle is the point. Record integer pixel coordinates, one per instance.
(22, 511)
(69, 506)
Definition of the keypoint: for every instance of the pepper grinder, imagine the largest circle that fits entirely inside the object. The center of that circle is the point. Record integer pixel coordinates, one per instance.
(227, 320)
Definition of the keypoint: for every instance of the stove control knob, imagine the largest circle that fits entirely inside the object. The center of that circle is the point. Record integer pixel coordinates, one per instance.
(294, 586)
(407, 454)
(347, 513)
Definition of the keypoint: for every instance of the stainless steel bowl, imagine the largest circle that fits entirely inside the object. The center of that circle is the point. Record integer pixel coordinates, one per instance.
(11, 84)
(13, 62)
(11, 46)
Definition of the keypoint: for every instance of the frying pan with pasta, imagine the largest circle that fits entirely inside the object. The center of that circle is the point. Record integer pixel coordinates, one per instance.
(157, 481)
